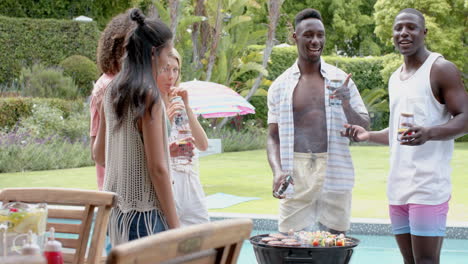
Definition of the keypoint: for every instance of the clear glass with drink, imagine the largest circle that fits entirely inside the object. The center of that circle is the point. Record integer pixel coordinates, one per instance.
(333, 85)
(180, 130)
(185, 152)
(405, 121)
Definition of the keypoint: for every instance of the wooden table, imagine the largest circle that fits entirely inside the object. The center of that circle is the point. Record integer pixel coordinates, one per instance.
(23, 260)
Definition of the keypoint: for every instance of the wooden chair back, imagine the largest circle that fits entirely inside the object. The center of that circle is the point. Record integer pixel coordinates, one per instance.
(71, 211)
(217, 242)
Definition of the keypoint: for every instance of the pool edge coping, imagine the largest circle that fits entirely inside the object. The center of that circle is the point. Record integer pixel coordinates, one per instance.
(361, 226)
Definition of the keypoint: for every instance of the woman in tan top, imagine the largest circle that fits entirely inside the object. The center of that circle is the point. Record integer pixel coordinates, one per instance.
(132, 137)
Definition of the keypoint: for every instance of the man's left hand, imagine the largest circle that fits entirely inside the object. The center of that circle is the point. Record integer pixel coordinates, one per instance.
(415, 136)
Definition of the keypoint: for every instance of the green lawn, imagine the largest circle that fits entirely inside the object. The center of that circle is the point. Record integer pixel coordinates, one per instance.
(248, 174)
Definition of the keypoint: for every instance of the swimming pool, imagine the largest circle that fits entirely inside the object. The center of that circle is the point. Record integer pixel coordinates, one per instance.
(377, 243)
(373, 247)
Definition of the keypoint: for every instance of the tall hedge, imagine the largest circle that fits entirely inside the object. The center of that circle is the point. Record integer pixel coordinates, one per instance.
(367, 71)
(100, 10)
(24, 41)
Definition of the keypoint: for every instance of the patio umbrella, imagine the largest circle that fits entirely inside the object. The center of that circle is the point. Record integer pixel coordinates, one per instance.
(213, 100)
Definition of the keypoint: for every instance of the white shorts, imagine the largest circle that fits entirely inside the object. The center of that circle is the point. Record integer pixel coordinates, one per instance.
(189, 196)
(310, 203)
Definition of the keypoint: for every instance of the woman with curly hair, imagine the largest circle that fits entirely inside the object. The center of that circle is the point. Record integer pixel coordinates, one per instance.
(109, 54)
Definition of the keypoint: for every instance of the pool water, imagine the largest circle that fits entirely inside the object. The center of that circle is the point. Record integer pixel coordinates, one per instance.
(381, 248)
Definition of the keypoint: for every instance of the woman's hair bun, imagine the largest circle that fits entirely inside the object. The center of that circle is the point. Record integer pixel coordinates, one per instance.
(137, 15)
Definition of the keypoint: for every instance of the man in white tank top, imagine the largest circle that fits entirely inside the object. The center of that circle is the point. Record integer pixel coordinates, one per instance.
(428, 89)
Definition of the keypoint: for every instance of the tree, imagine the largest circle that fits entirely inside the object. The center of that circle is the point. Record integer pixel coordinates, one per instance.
(199, 45)
(273, 15)
(445, 20)
(174, 7)
(215, 21)
(348, 23)
(186, 21)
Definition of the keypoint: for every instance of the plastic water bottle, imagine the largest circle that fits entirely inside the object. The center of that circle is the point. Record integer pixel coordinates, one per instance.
(30, 248)
(53, 249)
(179, 131)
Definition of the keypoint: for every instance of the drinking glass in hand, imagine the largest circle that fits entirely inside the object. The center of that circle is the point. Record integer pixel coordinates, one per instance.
(180, 130)
(333, 85)
(185, 151)
(405, 121)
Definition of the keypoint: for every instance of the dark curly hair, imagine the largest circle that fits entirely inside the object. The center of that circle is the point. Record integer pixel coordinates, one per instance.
(111, 43)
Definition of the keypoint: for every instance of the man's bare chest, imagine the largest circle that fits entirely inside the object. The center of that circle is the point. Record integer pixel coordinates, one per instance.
(308, 96)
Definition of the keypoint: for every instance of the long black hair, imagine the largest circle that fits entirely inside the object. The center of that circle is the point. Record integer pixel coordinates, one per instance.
(135, 86)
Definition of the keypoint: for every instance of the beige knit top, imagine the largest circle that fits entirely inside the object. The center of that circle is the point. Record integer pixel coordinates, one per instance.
(126, 169)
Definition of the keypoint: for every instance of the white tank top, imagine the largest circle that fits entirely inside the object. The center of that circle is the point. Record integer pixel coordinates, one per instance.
(418, 174)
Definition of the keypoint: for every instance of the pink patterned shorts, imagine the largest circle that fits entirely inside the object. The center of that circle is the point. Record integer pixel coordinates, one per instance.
(419, 219)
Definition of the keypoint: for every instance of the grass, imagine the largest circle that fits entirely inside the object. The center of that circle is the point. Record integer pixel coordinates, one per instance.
(248, 174)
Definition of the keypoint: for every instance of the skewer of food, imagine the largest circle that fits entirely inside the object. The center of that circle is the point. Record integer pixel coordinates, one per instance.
(305, 238)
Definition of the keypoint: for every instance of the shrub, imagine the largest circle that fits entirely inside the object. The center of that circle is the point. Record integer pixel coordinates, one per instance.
(11, 110)
(14, 109)
(26, 41)
(39, 81)
(250, 138)
(280, 59)
(390, 63)
(46, 140)
(45, 121)
(261, 110)
(22, 151)
(366, 71)
(462, 139)
(83, 71)
(12, 88)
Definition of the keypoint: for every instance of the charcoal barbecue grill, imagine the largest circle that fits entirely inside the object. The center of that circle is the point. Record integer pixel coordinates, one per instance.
(269, 254)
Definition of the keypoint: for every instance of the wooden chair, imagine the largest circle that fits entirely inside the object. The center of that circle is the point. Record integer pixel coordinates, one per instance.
(217, 242)
(78, 207)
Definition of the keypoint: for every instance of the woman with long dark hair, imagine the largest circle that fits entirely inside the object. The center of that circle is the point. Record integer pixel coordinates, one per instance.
(132, 138)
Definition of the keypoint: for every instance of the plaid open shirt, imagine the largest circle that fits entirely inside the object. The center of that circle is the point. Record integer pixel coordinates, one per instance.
(340, 170)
